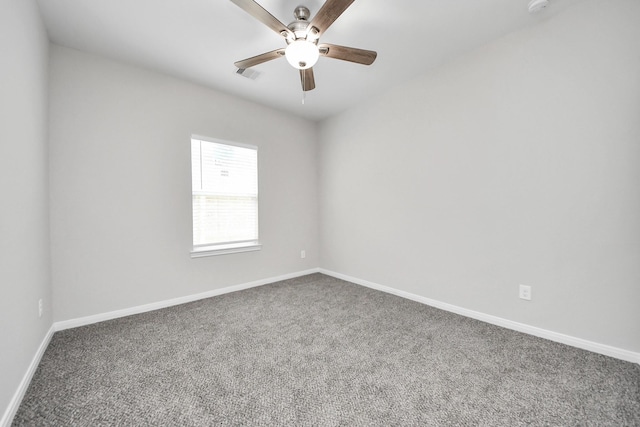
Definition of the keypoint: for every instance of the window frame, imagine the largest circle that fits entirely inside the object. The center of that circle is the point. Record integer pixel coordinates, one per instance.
(223, 248)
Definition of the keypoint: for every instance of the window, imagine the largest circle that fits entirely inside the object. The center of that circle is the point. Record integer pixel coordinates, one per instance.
(224, 197)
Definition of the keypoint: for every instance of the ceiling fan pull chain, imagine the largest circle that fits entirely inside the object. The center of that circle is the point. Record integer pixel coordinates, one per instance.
(303, 86)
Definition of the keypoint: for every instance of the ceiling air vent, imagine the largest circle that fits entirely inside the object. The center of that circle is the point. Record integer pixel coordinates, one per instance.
(248, 73)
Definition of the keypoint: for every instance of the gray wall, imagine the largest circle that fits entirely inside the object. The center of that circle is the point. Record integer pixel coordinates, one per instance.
(24, 228)
(519, 163)
(121, 186)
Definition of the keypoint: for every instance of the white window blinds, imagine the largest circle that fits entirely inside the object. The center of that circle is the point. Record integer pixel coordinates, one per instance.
(225, 193)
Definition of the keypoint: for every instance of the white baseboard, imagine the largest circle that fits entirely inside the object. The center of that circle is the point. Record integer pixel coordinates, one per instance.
(82, 321)
(11, 410)
(604, 349)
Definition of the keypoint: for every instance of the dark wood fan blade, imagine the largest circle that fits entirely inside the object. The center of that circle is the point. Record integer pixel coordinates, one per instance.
(259, 59)
(261, 14)
(307, 79)
(351, 54)
(327, 14)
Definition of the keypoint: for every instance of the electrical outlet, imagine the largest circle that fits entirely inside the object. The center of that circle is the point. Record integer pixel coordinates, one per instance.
(40, 307)
(525, 292)
(303, 254)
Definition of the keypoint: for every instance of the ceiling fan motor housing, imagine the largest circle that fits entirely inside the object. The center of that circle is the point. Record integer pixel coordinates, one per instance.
(299, 26)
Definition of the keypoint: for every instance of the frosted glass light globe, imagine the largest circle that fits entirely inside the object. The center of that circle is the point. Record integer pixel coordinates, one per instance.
(302, 54)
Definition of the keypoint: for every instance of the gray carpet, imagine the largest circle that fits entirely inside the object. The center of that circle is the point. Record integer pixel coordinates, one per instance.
(320, 351)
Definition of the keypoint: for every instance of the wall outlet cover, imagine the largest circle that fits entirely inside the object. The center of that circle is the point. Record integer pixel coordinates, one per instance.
(525, 292)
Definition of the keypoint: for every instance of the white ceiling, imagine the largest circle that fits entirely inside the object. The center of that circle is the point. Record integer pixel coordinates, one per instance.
(199, 40)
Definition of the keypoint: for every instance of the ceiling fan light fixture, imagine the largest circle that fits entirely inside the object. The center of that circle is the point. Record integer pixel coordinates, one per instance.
(302, 54)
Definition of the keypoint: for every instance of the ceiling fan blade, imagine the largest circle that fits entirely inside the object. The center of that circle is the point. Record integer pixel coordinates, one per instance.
(259, 59)
(328, 13)
(307, 79)
(261, 14)
(351, 54)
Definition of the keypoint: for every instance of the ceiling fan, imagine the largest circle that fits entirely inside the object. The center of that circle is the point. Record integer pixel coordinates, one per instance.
(302, 36)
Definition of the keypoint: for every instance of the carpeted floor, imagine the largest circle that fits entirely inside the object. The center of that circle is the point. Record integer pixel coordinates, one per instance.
(320, 351)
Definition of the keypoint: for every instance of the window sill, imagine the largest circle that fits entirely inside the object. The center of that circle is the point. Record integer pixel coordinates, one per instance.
(231, 248)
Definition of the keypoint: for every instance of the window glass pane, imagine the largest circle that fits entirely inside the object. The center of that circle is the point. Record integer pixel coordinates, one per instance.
(225, 193)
